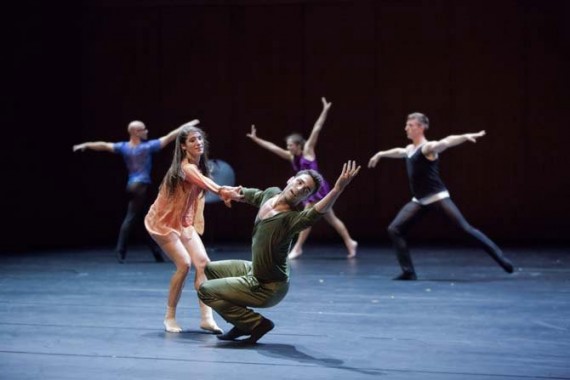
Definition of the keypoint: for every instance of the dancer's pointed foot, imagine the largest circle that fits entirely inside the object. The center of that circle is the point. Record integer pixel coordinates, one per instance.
(294, 254)
(233, 334)
(406, 276)
(352, 247)
(121, 255)
(507, 265)
(210, 325)
(170, 325)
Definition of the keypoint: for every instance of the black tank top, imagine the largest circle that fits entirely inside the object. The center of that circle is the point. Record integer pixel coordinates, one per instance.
(423, 175)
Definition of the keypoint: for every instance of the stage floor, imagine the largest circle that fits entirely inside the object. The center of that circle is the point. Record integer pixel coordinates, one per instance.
(81, 315)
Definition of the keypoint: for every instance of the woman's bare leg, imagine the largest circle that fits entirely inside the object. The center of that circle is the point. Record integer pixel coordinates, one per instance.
(200, 258)
(338, 225)
(176, 251)
(298, 248)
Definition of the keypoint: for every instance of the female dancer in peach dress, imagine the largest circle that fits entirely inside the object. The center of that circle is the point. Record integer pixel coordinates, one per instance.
(175, 220)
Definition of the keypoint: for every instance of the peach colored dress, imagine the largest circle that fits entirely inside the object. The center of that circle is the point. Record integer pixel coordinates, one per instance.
(177, 216)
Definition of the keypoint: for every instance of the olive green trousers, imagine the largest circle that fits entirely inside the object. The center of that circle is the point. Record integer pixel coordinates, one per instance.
(232, 288)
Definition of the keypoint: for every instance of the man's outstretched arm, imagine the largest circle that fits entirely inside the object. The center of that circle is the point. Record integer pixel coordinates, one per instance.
(349, 171)
(435, 147)
(170, 136)
(100, 146)
(391, 153)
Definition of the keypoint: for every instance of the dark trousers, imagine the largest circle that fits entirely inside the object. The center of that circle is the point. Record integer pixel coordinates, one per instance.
(413, 211)
(137, 206)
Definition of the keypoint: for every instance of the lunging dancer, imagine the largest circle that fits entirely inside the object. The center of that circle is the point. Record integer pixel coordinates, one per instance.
(429, 192)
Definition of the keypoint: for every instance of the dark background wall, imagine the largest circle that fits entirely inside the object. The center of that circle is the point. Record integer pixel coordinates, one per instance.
(81, 72)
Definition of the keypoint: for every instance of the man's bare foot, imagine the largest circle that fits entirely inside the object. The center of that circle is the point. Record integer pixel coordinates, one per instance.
(352, 249)
(170, 325)
(294, 254)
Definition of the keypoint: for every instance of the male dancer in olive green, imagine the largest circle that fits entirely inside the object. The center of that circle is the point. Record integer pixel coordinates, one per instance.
(233, 285)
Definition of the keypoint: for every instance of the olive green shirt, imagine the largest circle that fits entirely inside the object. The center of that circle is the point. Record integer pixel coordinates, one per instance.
(272, 237)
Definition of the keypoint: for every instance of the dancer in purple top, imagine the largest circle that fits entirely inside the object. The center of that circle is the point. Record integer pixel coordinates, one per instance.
(301, 154)
(137, 153)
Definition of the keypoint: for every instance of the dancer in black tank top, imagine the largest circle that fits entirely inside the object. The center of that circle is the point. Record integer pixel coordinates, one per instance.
(429, 192)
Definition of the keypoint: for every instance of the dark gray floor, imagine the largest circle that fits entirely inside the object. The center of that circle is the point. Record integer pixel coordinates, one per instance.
(81, 315)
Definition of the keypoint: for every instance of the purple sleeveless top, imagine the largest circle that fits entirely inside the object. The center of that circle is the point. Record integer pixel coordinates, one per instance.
(300, 163)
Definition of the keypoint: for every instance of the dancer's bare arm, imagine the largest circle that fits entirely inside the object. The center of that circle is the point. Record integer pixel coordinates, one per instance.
(100, 146)
(168, 138)
(349, 171)
(435, 147)
(194, 175)
(309, 148)
(232, 193)
(283, 153)
(392, 153)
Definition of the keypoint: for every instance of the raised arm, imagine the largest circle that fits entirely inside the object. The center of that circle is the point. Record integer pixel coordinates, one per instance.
(349, 171)
(392, 153)
(168, 138)
(309, 149)
(101, 146)
(435, 147)
(283, 153)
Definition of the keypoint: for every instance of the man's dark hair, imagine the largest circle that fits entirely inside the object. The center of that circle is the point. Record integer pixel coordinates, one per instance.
(317, 178)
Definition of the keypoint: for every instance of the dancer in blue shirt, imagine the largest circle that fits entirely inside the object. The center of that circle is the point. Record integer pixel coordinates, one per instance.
(137, 153)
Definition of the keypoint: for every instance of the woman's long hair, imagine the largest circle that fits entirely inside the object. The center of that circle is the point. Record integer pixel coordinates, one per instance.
(174, 176)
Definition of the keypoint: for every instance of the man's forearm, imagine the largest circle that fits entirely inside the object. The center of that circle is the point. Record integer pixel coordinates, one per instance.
(454, 140)
(392, 153)
(349, 171)
(325, 205)
(96, 145)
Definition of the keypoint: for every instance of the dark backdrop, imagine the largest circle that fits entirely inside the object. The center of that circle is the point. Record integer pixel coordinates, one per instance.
(81, 71)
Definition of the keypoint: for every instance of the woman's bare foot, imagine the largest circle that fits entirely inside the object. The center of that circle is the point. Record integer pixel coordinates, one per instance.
(170, 325)
(352, 249)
